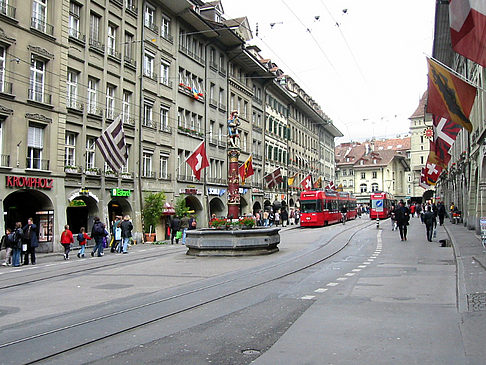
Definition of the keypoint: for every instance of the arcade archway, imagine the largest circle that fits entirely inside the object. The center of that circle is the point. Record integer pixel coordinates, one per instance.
(216, 206)
(81, 212)
(256, 207)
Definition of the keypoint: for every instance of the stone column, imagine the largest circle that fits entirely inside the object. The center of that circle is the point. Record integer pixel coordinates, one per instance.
(233, 183)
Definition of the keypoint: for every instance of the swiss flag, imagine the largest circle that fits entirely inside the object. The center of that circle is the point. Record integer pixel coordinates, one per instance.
(468, 29)
(307, 182)
(432, 172)
(198, 160)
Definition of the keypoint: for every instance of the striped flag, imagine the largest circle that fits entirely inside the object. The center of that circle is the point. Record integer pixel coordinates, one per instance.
(273, 178)
(112, 145)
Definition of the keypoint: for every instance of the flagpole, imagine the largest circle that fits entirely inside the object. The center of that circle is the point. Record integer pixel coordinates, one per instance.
(463, 78)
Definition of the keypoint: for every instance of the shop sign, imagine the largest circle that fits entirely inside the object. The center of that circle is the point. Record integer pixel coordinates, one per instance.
(257, 191)
(77, 203)
(84, 191)
(268, 196)
(242, 191)
(189, 191)
(120, 192)
(216, 191)
(29, 182)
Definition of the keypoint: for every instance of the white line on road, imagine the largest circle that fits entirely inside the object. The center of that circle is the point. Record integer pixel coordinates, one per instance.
(332, 284)
(342, 279)
(320, 290)
(308, 297)
(362, 266)
(356, 270)
(350, 274)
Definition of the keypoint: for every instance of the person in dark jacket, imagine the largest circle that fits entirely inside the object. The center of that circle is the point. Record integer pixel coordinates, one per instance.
(98, 232)
(30, 238)
(17, 245)
(430, 222)
(126, 232)
(7, 243)
(175, 226)
(441, 212)
(284, 217)
(402, 216)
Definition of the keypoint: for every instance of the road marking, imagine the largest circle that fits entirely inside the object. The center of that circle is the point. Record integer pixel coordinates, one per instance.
(356, 270)
(308, 297)
(373, 257)
(332, 284)
(342, 279)
(350, 274)
(366, 263)
(320, 290)
(370, 260)
(362, 266)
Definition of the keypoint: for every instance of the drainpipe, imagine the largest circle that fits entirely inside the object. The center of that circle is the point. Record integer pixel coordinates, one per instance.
(140, 121)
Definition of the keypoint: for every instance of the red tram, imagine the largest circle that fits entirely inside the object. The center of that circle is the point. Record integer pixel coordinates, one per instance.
(322, 207)
(380, 205)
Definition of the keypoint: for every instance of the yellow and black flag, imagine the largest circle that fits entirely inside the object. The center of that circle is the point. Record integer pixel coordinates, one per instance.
(291, 180)
(449, 96)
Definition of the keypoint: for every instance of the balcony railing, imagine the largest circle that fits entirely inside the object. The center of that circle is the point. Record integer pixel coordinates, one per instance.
(126, 175)
(150, 74)
(165, 176)
(222, 107)
(152, 27)
(149, 123)
(128, 120)
(166, 129)
(5, 161)
(6, 87)
(41, 26)
(73, 33)
(96, 45)
(187, 178)
(166, 36)
(130, 61)
(131, 8)
(109, 114)
(37, 164)
(148, 174)
(40, 97)
(75, 105)
(93, 171)
(95, 110)
(216, 180)
(213, 102)
(112, 52)
(6, 9)
(166, 82)
(190, 53)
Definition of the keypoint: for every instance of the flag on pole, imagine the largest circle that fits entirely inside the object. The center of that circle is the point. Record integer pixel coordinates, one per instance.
(432, 172)
(423, 179)
(318, 183)
(331, 186)
(112, 145)
(445, 131)
(291, 180)
(439, 154)
(246, 169)
(449, 96)
(307, 182)
(468, 29)
(274, 178)
(198, 160)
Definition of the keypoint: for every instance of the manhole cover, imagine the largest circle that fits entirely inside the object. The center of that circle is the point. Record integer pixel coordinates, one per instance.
(250, 352)
(476, 302)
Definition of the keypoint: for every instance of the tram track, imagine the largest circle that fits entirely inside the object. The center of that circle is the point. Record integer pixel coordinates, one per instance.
(154, 309)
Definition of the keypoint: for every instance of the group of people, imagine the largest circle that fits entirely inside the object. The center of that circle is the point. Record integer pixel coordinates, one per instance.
(428, 213)
(22, 240)
(180, 226)
(270, 217)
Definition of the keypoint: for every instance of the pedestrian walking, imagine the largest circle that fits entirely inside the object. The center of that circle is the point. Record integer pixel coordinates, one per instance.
(82, 237)
(292, 217)
(116, 244)
(7, 242)
(126, 232)
(393, 218)
(277, 218)
(30, 239)
(284, 216)
(175, 227)
(266, 218)
(297, 216)
(17, 245)
(441, 212)
(430, 222)
(98, 232)
(192, 223)
(66, 240)
(402, 215)
(184, 227)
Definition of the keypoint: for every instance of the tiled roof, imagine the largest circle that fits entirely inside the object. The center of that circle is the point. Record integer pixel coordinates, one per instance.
(420, 111)
(393, 144)
(381, 151)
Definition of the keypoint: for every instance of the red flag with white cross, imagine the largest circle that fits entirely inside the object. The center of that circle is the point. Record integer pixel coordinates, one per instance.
(198, 160)
(307, 182)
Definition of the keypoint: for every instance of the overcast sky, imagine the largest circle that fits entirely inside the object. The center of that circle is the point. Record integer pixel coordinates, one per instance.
(367, 74)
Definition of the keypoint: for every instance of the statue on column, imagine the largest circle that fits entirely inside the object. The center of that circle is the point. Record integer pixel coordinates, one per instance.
(233, 134)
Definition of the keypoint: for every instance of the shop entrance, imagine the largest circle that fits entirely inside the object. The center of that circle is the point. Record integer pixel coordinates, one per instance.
(80, 213)
(216, 206)
(120, 207)
(24, 204)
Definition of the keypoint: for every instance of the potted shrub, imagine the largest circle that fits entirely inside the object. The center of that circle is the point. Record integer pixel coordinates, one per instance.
(247, 222)
(152, 214)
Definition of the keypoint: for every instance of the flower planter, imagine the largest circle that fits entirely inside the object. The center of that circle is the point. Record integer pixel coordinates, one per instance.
(149, 237)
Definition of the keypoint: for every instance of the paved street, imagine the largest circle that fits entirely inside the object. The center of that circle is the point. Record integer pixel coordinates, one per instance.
(374, 300)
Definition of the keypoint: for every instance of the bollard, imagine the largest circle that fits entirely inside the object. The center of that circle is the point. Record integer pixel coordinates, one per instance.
(377, 223)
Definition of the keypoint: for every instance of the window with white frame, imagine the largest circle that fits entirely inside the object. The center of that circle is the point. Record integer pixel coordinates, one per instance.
(92, 96)
(149, 16)
(147, 163)
(363, 175)
(374, 187)
(39, 15)
(72, 89)
(127, 99)
(211, 129)
(37, 79)
(164, 166)
(2, 68)
(110, 101)
(351, 184)
(128, 46)
(363, 188)
(124, 168)
(90, 152)
(70, 150)
(374, 174)
(74, 20)
(221, 97)
(220, 133)
(199, 123)
(148, 64)
(164, 119)
(35, 145)
(94, 29)
(148, 111)
(165, 27)
(164, 72)
(111, 41)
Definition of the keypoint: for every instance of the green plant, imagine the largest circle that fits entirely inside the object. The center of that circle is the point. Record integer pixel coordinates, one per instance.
(247, 222)
(152, 210)
(180, 207)
(218, 223)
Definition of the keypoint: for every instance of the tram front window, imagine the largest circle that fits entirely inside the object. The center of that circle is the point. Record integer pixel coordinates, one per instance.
(310, 206)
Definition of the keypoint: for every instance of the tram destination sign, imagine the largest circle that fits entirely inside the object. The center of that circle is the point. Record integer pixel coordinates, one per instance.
(120, 192)
(29, 182)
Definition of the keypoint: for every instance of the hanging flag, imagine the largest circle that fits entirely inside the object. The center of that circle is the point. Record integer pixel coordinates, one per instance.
(339, 188)
(246, 169)
(332, 186)
(449, 96)
(290, 180)
(423, 179)
(112, 145)
(318, 183)
(432, 172)
(307, 182)
(198, 160)
(274, 178)
(468, 29)
(439, 154)
(445, 131)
